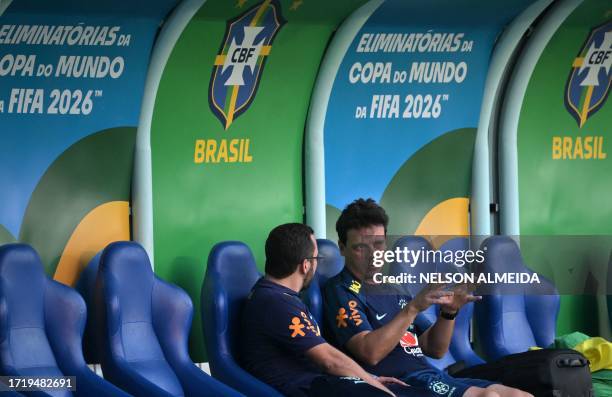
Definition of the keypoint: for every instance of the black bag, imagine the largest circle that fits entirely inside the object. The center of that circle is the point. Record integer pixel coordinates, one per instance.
(543, 373)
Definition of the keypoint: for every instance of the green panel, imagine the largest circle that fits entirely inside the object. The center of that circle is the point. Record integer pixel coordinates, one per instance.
(198, 205)
(578, 313)
(565, 197)
(5, 236)
(439, 171)
(95, 170)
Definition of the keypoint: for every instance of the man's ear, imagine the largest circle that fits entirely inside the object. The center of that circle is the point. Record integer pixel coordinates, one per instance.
(342, 247)
(305, 266)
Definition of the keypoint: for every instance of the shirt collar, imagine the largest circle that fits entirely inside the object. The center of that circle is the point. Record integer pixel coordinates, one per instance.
(265, 283)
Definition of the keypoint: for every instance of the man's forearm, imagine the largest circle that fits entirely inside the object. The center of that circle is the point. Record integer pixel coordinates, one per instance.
(342, 365)
(379, 343)
(436, 342)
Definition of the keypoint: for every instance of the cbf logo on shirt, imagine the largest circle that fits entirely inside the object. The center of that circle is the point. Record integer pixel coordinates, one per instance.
(241, 60)
(588, 84)
(440, 388)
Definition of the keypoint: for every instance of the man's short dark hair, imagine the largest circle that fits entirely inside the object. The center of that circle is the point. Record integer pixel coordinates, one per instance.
(360, 213)
(286, 247)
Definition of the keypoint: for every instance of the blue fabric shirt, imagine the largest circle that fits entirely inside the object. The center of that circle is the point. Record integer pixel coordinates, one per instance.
(351, 308)
(277, 329)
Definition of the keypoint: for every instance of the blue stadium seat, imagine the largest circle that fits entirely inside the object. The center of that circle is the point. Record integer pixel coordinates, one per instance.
(460, 348)
(413, 243)
(230, 275)
(513, 318)
(86, 285)
(328, 266)
(144, 328)
(41, 325)
(448, 359)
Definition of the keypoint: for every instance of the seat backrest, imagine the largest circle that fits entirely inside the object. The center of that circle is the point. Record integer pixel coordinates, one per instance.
(460, 347)
(24, 347)
(124, 289)
(510, 316)
(412, 243)
(431, 315)
(231, 273)
(330, 264)
(86, 285)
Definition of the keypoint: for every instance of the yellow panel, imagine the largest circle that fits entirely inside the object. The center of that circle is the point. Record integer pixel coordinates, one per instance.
(444, 221)
(101, 226)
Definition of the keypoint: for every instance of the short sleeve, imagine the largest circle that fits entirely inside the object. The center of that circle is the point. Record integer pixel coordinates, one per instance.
(344, 313)
(291, 325)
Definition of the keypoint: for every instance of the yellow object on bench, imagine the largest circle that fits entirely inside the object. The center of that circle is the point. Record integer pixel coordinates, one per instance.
(598, 351)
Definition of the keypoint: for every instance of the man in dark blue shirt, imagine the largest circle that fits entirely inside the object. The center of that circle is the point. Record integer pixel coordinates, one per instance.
(383, 329)
(282, 343)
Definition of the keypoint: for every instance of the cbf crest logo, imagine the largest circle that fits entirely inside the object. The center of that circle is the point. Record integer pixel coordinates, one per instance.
(440, 387)
(589, 81)
(241, 60)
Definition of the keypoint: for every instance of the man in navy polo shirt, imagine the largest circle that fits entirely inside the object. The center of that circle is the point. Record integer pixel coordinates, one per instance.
(381, 328)
(281, 343)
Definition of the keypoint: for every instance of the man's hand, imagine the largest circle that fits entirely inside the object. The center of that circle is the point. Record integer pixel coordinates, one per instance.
(433, 294)
(462, 295)
(334, 362)
(388, 381)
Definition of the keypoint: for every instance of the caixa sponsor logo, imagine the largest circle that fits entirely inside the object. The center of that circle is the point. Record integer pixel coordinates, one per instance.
(410, 344)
